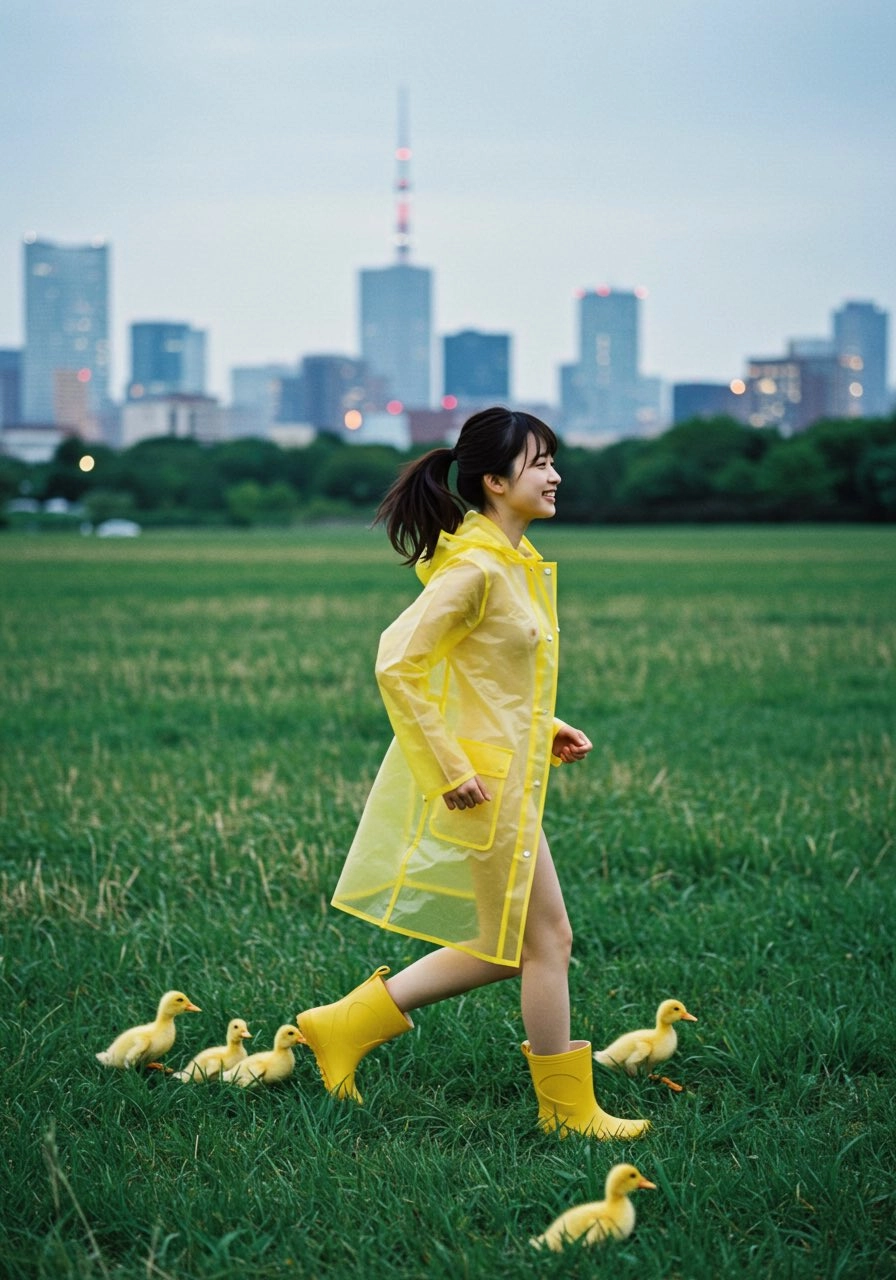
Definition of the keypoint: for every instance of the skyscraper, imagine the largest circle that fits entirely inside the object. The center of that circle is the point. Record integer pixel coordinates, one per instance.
(396, 329)
(396, 302)
(66, 328)
(477, 366)
(609, 338)
(860, 341)
(167, 358)
(604, 393)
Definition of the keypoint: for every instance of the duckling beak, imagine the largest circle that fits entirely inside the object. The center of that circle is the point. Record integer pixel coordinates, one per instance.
(192, 1008)
(644, 1185)
(688, 1017)
(245, 1035)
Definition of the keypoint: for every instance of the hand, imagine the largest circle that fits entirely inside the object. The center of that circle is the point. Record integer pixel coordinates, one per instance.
(570, 744)
(467, 795)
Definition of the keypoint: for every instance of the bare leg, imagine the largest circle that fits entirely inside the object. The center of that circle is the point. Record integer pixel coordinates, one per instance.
(441, 974)
(547, 945)
(546, 949)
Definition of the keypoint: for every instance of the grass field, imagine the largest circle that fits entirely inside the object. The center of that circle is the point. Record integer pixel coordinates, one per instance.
(190, 725)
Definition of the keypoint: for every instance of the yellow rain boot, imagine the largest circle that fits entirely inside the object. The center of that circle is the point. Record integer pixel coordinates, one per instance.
(564, 1087)
(341, 1034)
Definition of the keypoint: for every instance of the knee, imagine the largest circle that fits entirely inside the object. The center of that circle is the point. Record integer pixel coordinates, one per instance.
(552, 939)
(562, 935)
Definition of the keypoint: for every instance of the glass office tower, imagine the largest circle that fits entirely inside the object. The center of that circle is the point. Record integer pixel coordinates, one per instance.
(396, 330)
(66, 326)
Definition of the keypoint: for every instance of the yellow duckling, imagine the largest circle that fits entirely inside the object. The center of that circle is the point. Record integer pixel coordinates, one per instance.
(139, 1046)
(637, 1049)
(270, 1065)
(212, 1062)
(613, 1216)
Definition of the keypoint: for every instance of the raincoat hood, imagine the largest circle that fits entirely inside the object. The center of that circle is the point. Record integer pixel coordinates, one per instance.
(475, 530)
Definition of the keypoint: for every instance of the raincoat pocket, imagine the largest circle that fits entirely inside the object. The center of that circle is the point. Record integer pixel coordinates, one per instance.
(475, 828)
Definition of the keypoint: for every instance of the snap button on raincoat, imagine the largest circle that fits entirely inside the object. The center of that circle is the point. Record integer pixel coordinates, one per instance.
(468, 674)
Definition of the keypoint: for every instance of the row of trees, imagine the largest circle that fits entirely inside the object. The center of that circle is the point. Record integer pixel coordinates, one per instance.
(703, 470)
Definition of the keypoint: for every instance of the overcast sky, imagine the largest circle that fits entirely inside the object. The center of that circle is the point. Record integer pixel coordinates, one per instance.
(735, 159)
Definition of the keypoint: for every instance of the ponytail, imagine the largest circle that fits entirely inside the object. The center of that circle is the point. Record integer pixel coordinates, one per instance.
(419, 505)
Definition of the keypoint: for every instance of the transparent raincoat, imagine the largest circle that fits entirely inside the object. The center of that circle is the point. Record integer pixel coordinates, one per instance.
(468, 674)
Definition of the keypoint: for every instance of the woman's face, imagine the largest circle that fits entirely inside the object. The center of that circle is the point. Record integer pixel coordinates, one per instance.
(531, 490)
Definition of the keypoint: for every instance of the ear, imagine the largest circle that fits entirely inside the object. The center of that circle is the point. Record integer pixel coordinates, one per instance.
(493, 484)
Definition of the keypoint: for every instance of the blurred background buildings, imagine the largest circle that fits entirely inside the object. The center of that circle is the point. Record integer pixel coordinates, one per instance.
(59, 384)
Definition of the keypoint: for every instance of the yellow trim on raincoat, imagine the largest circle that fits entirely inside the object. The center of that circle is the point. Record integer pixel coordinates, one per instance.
(468, 674)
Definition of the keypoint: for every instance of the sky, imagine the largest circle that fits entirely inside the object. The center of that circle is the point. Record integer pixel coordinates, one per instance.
(735, 160)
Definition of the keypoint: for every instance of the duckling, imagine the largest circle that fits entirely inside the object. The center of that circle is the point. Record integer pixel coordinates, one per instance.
(646, 1048)
(212, 1062)
(270, 1065)
(140, 1045)
(613, 1216)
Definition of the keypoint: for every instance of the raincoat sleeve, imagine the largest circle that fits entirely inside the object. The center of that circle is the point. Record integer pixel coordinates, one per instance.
(448, 609)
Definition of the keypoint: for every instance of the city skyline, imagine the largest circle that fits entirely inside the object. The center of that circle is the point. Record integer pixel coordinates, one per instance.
(734, 164)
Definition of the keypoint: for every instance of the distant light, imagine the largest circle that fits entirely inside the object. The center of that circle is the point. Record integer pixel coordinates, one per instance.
(84, 375)
(641, 292)
(394, 406)
(449, 402)
(87, 463)
(580, 293)
(403, 153)
(603, 291)
(31, 237)
(855, 389)
(856, 362)
(768, 386)
(737, 386)
(353, 419)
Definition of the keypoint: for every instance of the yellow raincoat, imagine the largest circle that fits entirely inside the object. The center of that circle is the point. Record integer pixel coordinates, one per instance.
(468, 674)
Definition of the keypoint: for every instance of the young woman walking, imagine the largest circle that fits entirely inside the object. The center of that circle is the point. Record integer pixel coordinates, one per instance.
(450, 847)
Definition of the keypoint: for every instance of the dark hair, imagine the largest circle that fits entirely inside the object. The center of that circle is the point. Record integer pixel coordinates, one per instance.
(420, 504)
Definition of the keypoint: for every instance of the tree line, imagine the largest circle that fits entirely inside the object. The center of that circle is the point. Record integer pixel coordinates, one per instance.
(698, 471)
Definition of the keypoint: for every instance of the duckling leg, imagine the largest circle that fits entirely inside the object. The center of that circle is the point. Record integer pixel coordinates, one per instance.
(340, 1034)
(564, 1088)
(677, 1088)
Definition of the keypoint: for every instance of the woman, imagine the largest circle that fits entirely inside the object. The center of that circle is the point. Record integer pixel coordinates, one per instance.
(450, 847)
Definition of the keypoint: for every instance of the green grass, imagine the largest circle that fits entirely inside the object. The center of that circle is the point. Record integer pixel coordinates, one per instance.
(189, 728)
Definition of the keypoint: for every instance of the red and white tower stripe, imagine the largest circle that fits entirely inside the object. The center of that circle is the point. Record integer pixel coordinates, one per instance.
(403, 182)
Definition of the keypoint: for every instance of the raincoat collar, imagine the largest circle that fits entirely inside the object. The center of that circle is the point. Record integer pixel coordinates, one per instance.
(476, 530)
